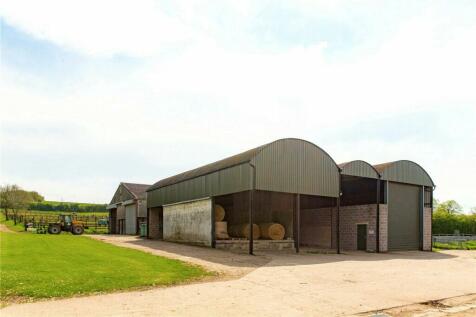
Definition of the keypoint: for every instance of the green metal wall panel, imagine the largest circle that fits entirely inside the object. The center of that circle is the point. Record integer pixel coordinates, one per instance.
(296, 166)
(287, 165)
(359, 168)
(226, 181)
(131, 219)
(403, 217)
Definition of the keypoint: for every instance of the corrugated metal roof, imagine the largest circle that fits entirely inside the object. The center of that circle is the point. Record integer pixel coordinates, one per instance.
(286, 165)
(382, 166)
(209, 168)
(404, 171)
(359, 168)
(137, 190)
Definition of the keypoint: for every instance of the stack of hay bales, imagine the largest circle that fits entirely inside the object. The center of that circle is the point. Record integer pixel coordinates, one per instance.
(272, 231)
(243, 231)
(268, 230)
(221, 232)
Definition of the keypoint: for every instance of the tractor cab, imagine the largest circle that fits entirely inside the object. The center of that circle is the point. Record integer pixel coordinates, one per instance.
(66, 222)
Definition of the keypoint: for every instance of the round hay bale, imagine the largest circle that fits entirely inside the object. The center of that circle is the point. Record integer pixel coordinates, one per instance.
(219, 212)
(221, 227)
(272, 230)
(243, 231)
(222, 236)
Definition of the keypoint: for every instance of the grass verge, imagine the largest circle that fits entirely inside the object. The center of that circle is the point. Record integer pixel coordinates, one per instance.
(468, 245)
(11, 225)
(45, 266)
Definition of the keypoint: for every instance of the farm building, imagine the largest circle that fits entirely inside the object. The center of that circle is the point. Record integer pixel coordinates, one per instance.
(290, 194)
(128, 209)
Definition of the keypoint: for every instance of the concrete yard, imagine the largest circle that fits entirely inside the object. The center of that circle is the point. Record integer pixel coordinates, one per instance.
(281, 284)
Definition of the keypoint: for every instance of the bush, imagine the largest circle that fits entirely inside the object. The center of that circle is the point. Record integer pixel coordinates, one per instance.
(65, 206)
(448, 223)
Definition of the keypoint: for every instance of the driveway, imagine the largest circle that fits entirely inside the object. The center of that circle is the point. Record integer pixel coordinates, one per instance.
(280, 284)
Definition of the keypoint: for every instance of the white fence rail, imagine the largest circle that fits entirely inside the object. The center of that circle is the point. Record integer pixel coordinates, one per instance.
(443, 238)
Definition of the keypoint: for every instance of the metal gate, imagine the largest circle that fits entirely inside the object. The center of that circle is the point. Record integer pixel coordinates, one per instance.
(403, 217)
(131, 227)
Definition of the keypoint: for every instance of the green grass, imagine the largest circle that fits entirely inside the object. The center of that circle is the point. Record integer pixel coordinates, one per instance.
(44, 266)
(468, 245)
(11, 225)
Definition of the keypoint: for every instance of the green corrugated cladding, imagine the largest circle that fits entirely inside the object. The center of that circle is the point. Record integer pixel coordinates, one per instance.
(406, 172)
(222, 182)
(359, 168)
(286, 165)
(296, 166)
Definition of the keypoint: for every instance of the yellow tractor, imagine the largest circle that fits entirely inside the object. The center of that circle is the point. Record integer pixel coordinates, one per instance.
(68, 224)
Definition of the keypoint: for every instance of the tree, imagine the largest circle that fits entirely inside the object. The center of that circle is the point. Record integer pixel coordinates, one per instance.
(450, 207)
(13, 198)
(37, 198)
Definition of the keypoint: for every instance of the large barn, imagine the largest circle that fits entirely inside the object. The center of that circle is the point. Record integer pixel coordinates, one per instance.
(294, 195)
(128, 209)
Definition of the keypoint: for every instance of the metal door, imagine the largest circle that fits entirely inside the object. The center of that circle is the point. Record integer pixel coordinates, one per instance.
(403, 217)
(131, 221)
(362, 237)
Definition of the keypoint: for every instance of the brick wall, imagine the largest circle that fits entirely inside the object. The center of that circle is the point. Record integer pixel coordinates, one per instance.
(350, 217)
(316, 227)
(319, 227)
(427, 229)
(383, 228)
(334, 227)
(154, 225)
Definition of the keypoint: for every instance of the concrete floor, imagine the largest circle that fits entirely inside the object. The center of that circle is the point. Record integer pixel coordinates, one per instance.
(280, 284)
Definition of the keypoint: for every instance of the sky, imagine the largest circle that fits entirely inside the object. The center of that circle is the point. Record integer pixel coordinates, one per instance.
(97, 92)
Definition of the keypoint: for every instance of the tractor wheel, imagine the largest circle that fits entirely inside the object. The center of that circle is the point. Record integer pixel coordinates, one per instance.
(77, 230)
(54, 229)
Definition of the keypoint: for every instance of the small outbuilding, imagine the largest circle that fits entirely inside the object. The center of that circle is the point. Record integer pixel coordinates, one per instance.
(128, 209)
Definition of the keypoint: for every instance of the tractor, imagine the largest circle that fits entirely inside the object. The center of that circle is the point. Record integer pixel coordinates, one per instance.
(68, 224)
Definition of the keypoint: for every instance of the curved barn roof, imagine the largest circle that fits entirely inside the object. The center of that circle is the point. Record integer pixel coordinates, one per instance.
(405, 171)
(228, 162)
(286, 165)
(359, 168)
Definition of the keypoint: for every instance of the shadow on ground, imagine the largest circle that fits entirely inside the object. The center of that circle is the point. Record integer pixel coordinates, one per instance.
(272, 258)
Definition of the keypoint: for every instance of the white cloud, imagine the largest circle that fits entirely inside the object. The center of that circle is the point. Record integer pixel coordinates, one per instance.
(137, 28)
(209, 101)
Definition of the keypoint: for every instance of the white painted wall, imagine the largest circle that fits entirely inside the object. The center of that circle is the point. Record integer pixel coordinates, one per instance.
(189, 222)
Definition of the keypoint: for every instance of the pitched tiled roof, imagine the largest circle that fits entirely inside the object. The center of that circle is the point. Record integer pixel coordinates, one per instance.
(138, 190)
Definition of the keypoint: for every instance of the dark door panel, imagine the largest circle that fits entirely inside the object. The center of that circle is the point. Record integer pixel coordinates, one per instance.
(362, 237)
(403, 217)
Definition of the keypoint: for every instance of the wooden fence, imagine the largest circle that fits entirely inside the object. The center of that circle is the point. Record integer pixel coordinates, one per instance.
(92, 223)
